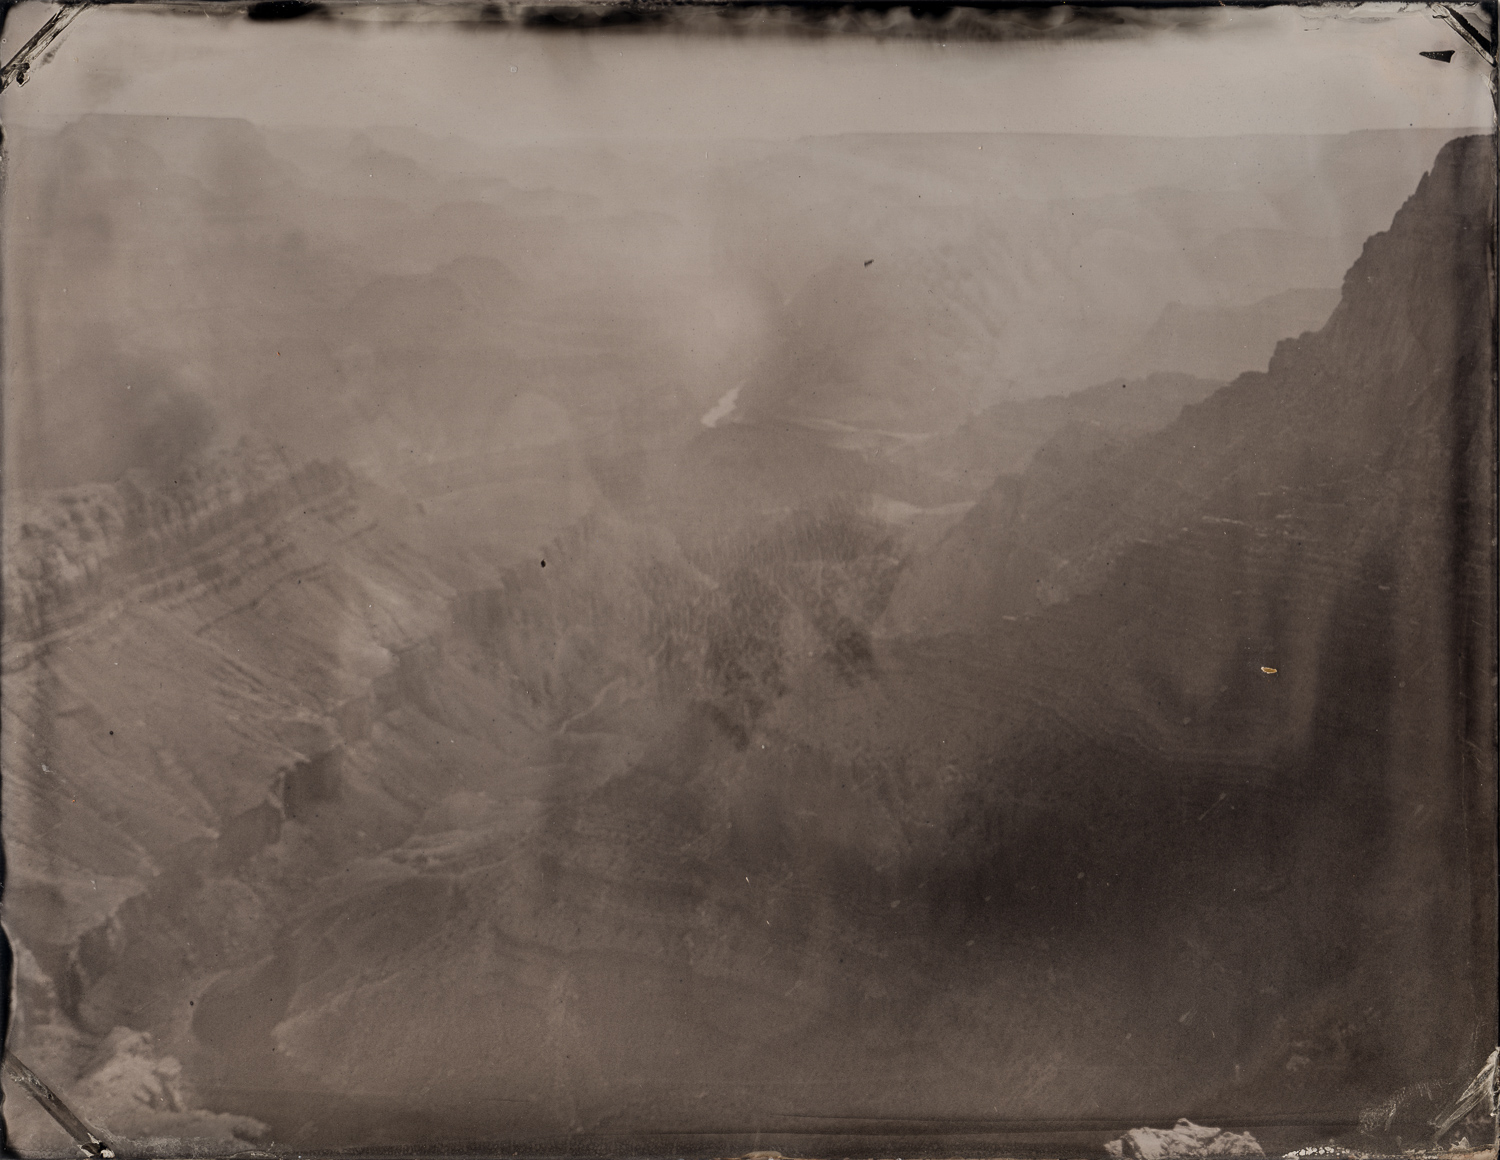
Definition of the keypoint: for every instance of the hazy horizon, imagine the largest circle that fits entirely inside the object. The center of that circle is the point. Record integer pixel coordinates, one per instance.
(695, 274)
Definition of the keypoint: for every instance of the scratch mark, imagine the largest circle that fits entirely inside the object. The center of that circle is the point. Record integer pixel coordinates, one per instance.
(1460, 24)
(20, 65)
(84, 1136)
(1479, 1093)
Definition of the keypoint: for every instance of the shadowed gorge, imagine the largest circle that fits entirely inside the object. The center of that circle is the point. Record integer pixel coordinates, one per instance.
(540, 666)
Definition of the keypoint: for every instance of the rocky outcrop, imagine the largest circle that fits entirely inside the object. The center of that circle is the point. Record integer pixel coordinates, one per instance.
(73, 551)
(1183, 1141)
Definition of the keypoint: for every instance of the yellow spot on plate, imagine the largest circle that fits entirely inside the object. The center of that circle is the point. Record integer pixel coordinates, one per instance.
(1264, 669)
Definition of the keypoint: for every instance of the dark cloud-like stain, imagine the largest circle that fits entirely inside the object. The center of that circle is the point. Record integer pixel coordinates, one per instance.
(282, 9)
(173, 426)
(576, 16)
(1001, 22)
(120, 414)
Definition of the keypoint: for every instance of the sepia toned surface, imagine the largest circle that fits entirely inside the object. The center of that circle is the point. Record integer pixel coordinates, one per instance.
(669, 592)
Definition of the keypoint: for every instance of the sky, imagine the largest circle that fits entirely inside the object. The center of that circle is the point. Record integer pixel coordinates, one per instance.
(1240, 71)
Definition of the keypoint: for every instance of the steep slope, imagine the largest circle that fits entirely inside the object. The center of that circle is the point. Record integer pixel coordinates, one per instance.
(1335, 413)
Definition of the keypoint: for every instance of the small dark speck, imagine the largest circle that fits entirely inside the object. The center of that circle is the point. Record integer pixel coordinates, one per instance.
(869, 261)
(1444, 55)
(544, 563)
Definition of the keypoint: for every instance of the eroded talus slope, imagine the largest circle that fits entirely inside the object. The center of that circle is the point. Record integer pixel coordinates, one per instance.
(454, 955)
(283, 802)
(172, 648)
(218, 689)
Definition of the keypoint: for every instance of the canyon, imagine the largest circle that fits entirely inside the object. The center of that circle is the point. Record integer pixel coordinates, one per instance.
(969, 774)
